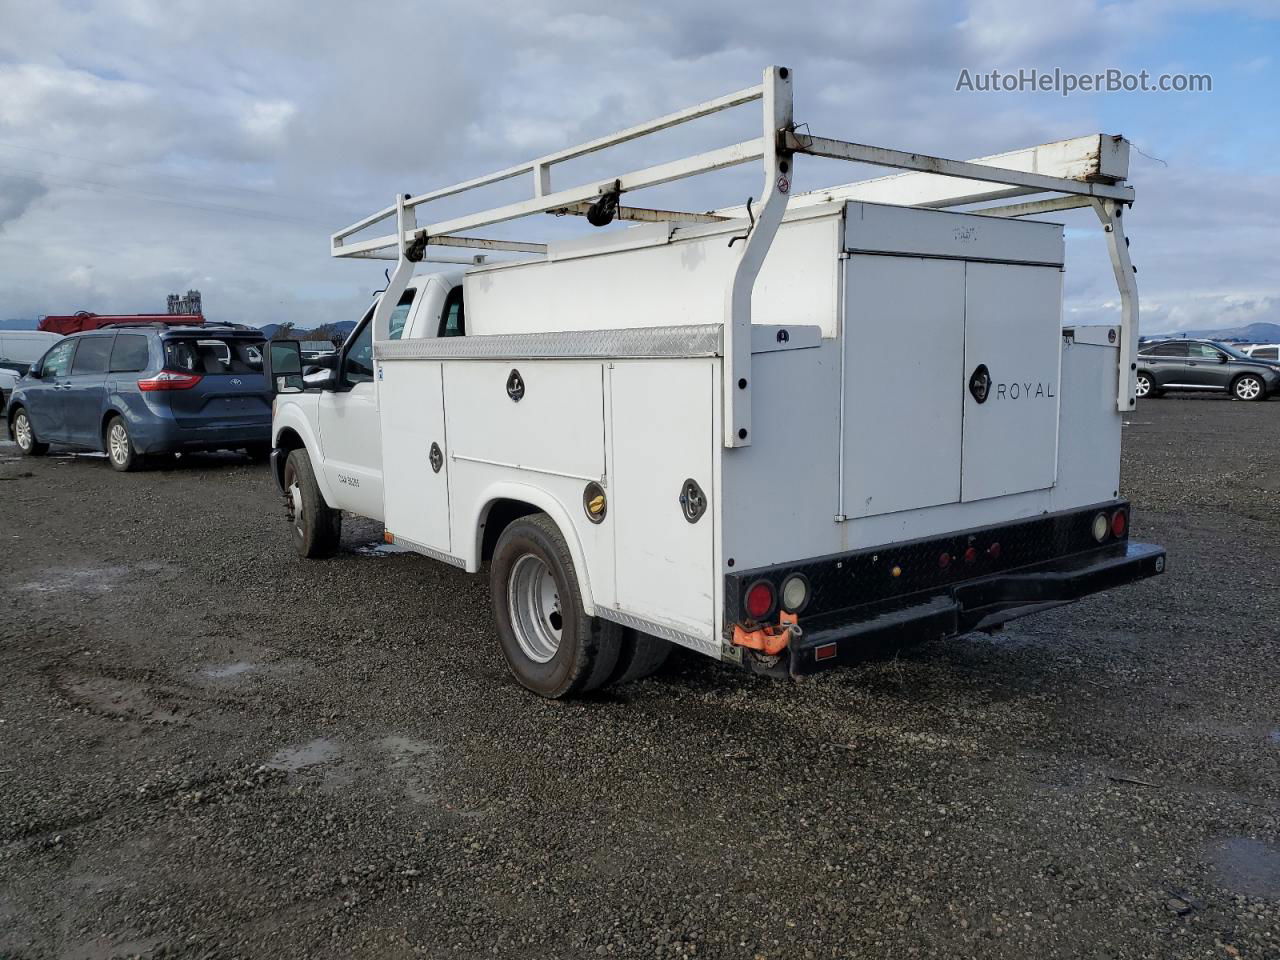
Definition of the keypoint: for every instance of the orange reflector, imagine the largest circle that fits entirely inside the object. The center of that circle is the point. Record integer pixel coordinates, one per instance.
(896, 571)
(825, 652)
(388, 537)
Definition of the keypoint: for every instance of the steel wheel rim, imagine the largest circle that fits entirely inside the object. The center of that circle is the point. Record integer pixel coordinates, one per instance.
(1248, 388)
(22, 431)
(533, 600)
(118, 441)
(295, 505)
(1144, 386)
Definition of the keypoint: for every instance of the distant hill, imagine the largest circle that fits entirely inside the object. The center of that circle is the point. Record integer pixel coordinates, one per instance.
(19, 323)
(1252, 332)
(299, 333)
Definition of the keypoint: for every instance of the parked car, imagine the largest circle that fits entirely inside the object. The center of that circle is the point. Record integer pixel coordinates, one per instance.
(18, 350)
(1204, 365)
(142, 391)
(1261, 351)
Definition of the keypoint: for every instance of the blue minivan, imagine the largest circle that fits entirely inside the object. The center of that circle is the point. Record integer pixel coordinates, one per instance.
(135, 392)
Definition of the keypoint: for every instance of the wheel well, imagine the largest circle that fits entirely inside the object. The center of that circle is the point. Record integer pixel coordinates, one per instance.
(497, 518)
(288, 441)
(102, 427)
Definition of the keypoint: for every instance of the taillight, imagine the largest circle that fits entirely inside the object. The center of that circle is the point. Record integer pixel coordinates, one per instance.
(1100, 527)
(993, 551)
(1119, 524)
(169, 380)
(759, 600)
(971, 556)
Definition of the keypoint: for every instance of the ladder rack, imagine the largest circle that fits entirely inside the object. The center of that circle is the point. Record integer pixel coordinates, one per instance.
(1085, 172)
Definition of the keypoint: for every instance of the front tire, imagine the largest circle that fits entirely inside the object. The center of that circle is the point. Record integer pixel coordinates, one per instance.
(1249, 387)
(317, 527)
(24, 435)
(1144, 386)
(551, 646)
(119, 446)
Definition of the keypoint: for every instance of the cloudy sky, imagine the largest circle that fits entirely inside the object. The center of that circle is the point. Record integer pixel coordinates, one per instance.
(148, 146)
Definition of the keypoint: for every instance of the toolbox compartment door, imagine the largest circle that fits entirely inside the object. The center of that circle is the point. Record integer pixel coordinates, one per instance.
(416, 507)
(1012, 356)
(903, 372)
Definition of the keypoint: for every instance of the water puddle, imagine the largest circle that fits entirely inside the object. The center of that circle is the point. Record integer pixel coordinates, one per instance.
(1247, 866)
(412, 760)
(79, 579)
(379, 549)
(318, 751)
(227, 670)
(1274, 737)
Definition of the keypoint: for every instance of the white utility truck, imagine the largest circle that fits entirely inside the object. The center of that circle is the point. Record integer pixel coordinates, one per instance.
(780, 435)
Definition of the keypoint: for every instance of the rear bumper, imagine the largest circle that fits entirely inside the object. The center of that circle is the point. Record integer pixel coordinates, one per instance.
(169, 437)
(973, 604)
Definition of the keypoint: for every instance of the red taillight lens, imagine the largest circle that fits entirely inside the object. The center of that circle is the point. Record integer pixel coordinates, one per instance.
(169, 380)
(1119, 523)
(759, 600)
(993, 551)
(944, 561)
(971, 556)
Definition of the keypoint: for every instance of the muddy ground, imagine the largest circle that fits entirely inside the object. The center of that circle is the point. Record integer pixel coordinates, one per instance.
(209, 748)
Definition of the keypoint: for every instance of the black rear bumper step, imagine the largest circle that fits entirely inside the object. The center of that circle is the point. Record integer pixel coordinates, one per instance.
(971, 605)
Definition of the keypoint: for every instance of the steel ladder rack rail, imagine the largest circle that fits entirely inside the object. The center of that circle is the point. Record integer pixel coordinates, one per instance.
(777, 146)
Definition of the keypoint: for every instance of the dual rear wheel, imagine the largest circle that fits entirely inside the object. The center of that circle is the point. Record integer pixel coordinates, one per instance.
(551, 645)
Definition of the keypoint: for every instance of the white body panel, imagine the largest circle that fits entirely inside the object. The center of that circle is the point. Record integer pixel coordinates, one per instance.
(1013, 328)
(648, 282)
(904, 364)
(412, 401)
(664, 433)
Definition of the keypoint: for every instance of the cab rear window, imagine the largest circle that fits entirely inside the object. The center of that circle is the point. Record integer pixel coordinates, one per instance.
(213, 355)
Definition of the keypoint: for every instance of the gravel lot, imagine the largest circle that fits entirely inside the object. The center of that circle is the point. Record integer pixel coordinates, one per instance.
(210, 748)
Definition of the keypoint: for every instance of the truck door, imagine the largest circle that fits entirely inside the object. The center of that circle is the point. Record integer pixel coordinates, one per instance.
(1206, 366)
(1012, 346)
(350, 434)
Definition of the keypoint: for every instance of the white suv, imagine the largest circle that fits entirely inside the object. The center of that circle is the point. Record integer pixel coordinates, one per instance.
(1260, 351)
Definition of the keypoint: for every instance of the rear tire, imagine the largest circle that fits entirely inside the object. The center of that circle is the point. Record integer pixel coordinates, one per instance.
(551, 646)
(24, 435)
(119, 446)
(317, 527)
(642, 655)
(1249, 387)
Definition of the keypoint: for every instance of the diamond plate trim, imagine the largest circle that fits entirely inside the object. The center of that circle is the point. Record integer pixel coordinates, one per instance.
(431, 552)
(710, 647)
(698, 340)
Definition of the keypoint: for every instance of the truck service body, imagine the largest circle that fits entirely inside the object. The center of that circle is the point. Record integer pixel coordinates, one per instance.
(779, 435)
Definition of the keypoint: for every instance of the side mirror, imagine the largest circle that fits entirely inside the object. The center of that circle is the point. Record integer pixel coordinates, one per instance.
(35, 373)
(1223, 358)
(282, 366)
